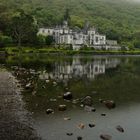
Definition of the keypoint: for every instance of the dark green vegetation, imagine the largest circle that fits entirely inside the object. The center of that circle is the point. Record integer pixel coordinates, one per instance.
(119, 19)
(62, 51)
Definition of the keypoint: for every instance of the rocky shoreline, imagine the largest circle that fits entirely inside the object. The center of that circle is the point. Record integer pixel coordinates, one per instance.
(15, 120)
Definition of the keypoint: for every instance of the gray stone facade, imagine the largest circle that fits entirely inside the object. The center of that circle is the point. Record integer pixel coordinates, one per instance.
(87, 37)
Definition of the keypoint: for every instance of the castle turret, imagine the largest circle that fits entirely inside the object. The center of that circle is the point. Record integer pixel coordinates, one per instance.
(65, 23)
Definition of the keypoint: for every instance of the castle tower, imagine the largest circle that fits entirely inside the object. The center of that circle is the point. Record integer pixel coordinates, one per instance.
(65, 23)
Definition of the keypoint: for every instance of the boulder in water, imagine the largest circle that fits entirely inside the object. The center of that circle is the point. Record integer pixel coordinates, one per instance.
(49, 111)
(91, 125)
(105, 137)
(109, 104)
(103, 114)
(87, 101)
(81, 126)
(120, 129)
(67, 96)
(67, 118)
(79, 138)
(62, 107)
(69, 134)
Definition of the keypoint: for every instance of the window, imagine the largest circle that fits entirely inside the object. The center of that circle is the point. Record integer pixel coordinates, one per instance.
(96, 69)
(97, 39)
(65, 39)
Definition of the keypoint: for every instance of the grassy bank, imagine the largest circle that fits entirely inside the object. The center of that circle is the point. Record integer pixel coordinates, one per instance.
(33, 50)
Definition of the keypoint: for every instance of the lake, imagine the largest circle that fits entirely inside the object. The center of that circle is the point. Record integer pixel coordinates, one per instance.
(44, 79)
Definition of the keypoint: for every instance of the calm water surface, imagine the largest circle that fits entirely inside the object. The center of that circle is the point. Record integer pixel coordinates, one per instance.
(108, 78)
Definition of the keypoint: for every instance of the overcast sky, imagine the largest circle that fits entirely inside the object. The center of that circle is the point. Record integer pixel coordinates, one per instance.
(134, 0)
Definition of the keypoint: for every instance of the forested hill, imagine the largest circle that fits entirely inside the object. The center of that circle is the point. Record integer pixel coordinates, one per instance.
(119, 19)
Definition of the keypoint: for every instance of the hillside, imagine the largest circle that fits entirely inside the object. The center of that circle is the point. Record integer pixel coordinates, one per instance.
(118, 19)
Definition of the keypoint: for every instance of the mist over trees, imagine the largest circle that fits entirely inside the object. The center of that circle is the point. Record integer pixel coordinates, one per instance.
(119, 19)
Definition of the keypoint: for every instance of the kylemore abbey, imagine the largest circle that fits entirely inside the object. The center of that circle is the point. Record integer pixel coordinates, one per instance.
(77, 38)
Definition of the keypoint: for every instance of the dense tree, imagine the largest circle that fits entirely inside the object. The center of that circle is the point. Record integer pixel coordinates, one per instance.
(136, 40)
(23, 28)
(45, 40)
(49, 40)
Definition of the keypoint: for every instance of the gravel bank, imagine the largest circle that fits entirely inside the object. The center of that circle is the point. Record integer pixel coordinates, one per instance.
(15, 121)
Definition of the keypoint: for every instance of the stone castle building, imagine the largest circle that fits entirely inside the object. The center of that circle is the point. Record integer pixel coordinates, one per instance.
(77, 38)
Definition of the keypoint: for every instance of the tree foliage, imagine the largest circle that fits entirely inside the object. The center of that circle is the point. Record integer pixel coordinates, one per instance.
(4, 40)
(118, 19)
(23, 28)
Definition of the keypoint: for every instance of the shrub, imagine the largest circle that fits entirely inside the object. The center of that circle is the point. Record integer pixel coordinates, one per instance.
(49, 40)
(137, 43)
(41, 39)
(4, 40)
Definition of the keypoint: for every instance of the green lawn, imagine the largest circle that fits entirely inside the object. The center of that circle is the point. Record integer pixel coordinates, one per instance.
(29, 50)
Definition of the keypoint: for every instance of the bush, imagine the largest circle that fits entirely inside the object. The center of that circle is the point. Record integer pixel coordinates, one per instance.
(41, 39)
(49, 40)
(85, 47)
(123, 48)
(45, 40)
(137, 43)
(4, 40)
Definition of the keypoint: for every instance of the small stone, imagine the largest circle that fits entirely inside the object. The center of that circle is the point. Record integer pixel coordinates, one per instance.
(67, 96)
(105, 137)
(43, 87)
(54, 83)
(103, 114)
(87, 101)
(89, 109)
(53, 100)
(69, 134)
(91, 125)
(47, 81)
(28, 86)
(59, 96)
(62, 107)
(75, 101)
(109, 104)
(81, 126)
(49, 111)
(67, 118)
(101, 100)
(120, 129)
(79, 138)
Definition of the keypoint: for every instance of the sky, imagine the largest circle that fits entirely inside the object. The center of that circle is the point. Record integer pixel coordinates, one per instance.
(134, 0)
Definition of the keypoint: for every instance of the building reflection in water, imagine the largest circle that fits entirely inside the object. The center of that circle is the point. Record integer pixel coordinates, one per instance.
(65, 70)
